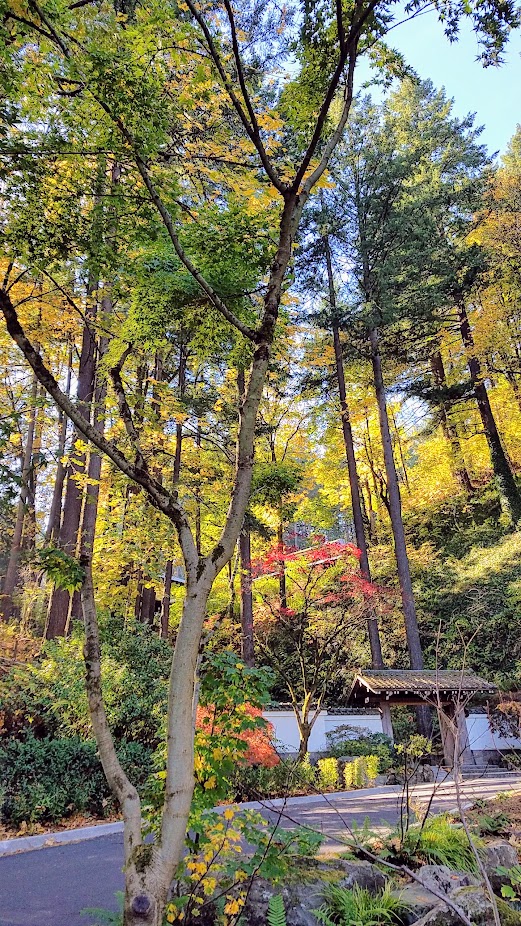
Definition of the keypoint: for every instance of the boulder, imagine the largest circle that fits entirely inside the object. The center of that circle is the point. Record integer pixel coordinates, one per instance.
(305, 892)
(477, 906)
(299, 902)
(419, 898)
(418, 901)
(440, 915)
(444, 879)
(362, 873)
(499, 853)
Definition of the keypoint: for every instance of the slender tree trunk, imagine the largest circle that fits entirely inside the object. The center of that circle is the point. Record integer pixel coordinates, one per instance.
(398, 441)
(167, 594)
(53, 523)
(198, 497)
(11, 576)
(509, 494)
(449, 429)
(58, 610)
(90, 506)
(283, 592)
(515, 385)
(29, 524)
(395, 509)
(165, 606)
(247, 639)
(375, 644)
(354, 482)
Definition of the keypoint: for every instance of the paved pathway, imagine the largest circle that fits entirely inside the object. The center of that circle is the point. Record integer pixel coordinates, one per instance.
(51, 886)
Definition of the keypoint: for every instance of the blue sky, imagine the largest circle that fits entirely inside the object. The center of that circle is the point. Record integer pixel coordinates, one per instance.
(494, 94)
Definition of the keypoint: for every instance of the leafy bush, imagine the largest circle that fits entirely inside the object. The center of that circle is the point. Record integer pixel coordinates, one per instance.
(287, 778)
(48, 779)
(360, 771)
(327, 774)
(48, 696)
(372, 767)
(350, 741)
(436, 842)
(359, 907)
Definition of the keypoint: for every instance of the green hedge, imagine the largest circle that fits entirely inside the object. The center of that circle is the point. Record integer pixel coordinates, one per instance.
(45, 780)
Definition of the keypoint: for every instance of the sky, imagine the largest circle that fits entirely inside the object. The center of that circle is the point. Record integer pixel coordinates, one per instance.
(493, 93)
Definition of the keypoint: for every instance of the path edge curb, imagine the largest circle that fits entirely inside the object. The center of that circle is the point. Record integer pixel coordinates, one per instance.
(47, 840)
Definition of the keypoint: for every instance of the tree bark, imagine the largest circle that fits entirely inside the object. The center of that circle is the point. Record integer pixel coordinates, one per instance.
(247, 639)
(450, 432)
(69, 534)
(509, 495)
(165, 608)
(354, 482)
(11, 576)
(53, 523)
(400, 548)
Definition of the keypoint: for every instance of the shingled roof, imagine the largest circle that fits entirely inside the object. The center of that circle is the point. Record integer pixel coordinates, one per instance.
(401, 685)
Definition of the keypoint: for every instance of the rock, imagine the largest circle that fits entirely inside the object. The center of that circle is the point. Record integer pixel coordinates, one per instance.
(345, 873)
(424, 773)
(475, 903)
(444, 879)
(305, 892)
(498, 853)
(439, 916)
(418, 900)
(299, 902)
(362, 873)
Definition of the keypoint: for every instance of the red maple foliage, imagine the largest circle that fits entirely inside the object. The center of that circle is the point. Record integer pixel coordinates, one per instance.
(259, 741)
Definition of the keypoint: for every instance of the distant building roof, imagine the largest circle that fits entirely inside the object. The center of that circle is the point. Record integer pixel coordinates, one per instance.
(410, 686)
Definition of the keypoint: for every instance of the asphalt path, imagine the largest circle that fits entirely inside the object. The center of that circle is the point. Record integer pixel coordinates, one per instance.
(51, 886)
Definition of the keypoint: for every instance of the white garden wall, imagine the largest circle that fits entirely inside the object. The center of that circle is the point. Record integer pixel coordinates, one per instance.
(481, 737)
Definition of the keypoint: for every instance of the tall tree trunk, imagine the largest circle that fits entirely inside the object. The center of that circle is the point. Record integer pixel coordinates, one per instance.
(167, 590)
(395, 510)
(377, 660)
(283, 592)
(247, 639)
(53, 523)
(68, 538)
(354, 482)
(509, 495)
(450, 432)
(90, 506)
(11, 576)
(165, 605)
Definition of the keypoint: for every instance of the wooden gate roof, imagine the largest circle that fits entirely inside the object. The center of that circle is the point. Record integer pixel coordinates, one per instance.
(414, 686)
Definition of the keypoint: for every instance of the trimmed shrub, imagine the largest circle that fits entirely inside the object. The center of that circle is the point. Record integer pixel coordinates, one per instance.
(43, 781)
(286, 778)
(347, 741)
(327, 774)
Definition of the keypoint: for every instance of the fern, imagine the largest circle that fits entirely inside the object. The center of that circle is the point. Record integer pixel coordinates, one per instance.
(276, 915)
(439, 842)
(358, 907)
(102, 917)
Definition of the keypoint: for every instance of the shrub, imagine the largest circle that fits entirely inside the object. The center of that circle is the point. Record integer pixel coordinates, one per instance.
(48, 695)
(43, 781)
(346, 907)
(355, 773)
(327, 775)
(436, 842)
(372, 767)
(286, 778)
(347, 741)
